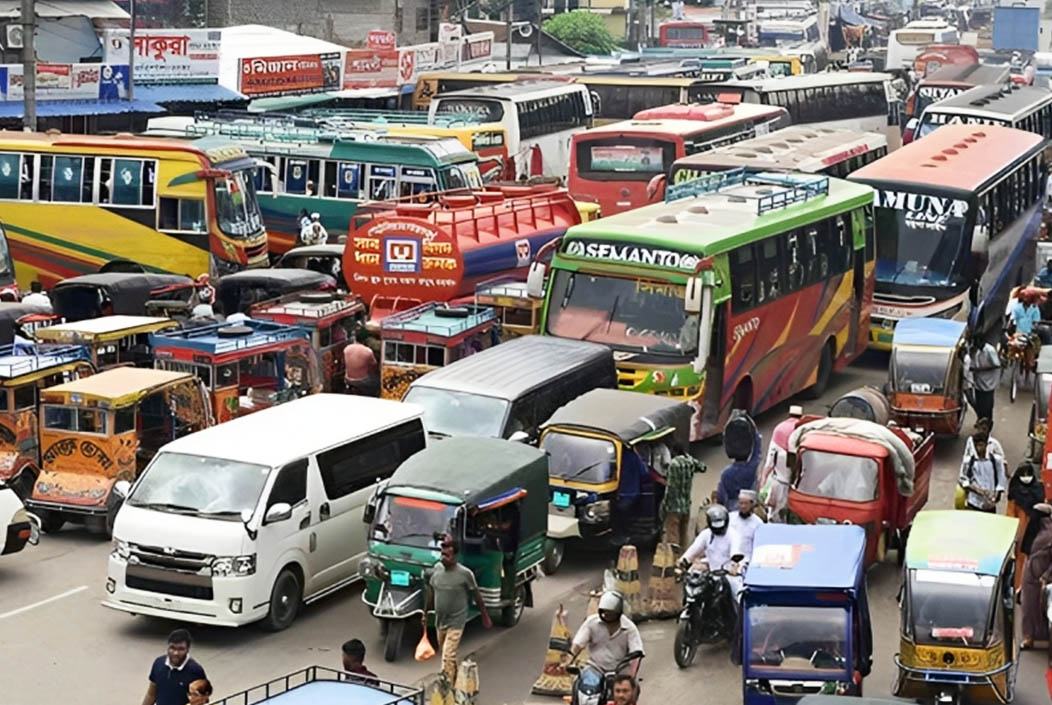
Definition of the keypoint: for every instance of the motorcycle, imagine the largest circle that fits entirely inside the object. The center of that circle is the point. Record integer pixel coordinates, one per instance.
(592, 686)
(708, 614)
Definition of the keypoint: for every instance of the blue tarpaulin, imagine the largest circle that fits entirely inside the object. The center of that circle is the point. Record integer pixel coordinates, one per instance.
(188, 93)
(65, 108)
(850, 17)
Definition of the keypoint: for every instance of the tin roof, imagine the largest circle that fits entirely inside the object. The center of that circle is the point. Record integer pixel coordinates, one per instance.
(807, 556)
(118, 383)
(210, 339)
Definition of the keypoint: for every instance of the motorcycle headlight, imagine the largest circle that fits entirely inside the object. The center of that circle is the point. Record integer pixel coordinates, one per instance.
(233, 566)
(121, 550)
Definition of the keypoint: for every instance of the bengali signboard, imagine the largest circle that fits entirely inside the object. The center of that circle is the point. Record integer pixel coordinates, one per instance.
(167, 55)
(67, 82)
(372, 68)
(289, 75)
(477, 46)
(380, 39)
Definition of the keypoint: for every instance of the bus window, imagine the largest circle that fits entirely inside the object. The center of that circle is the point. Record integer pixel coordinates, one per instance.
(415, 180)
(382, 180)
(795, 268)
(10, 174)
(743, 273)
(770, 280)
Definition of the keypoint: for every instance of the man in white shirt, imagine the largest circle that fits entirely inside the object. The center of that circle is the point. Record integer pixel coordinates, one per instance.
(716, 544)
(36, 299)
(743, 525)
(982, 477)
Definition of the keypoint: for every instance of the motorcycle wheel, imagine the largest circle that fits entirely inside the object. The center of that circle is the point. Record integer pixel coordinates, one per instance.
(393, 639)
(684, 649)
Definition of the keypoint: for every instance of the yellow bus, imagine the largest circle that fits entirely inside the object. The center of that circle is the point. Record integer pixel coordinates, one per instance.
(76, 204)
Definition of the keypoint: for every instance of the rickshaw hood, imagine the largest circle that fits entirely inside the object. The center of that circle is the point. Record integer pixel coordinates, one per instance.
(214, 537)
(900, 454)
(798, 557)
(962, 541)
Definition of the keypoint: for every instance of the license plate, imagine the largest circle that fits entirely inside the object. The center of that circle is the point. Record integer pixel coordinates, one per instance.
(825, 520)
(561, 499)
(920, 388)
(400, 578)
(884, 337)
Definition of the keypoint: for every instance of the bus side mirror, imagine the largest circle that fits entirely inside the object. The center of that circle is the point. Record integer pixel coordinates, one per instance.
(705, 324)
(535, 280)
(692, 295)
(656, 188)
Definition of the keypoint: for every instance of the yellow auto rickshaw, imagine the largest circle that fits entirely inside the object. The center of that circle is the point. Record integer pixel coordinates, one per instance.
(110, 340)
(518, 312)
(98, 430)
(957, 640)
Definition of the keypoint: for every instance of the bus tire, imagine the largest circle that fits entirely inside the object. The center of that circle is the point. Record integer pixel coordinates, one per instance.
(825, 371)
(285, 599)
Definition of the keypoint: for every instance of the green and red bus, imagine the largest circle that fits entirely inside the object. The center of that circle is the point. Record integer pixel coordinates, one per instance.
(739, 291)
(612, 165)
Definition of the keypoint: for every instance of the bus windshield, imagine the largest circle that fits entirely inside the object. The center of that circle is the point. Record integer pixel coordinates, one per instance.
(639, 315)
(237, 208)
(921, 243)
(480, 108)
(624, 158)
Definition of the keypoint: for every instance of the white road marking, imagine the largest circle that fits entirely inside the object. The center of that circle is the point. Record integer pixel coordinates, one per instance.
(33, 606)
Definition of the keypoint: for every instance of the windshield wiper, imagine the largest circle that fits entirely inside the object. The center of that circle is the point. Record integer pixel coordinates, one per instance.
(169, 507)
(222, 513)
(583, 470)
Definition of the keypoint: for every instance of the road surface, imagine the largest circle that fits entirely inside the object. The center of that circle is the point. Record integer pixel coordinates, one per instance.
(61, 647)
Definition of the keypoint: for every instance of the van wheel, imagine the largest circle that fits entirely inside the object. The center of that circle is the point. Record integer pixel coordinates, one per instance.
(553, 555)
(510, 615)
(50, 522)
(285, 599)
(825, 371)
(393, 639)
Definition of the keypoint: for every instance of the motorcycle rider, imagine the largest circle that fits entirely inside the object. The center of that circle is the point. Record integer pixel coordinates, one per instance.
(609, 636)
(716, 544)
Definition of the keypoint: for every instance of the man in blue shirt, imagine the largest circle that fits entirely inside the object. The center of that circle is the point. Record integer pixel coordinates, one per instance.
(172, 674)
(739, 475)
(1044, 277)
(1025, 313)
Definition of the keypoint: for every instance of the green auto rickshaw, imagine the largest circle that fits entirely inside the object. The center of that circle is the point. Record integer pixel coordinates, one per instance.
(491, 495)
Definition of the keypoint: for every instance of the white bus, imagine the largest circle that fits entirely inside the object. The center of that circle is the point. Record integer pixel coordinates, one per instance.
(540, 118)
(861, 101)
(904, 44)
(1027, 108)
(781, 31)
(806, 148)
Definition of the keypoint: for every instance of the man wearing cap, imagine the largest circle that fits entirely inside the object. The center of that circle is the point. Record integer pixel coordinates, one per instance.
(743, 525)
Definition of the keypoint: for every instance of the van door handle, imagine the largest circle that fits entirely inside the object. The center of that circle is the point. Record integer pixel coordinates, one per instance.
(323, 512)
(305, 521)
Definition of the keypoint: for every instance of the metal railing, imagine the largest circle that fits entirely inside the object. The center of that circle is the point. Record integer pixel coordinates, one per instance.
(304, 678)
(796, 188)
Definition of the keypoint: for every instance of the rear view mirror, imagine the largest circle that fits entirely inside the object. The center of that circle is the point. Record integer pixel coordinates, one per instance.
(519, 437)
(281, 511)
(656, 188)
(122, 488)
(535, 280)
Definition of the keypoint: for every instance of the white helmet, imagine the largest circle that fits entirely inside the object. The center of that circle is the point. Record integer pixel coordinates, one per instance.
(611, 606)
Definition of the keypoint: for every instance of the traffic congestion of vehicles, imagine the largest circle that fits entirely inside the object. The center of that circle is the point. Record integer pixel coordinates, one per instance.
(709, 369)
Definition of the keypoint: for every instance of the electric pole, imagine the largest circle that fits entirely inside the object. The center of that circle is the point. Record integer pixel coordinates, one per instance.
(131, 52)
(507, 57)
(29, 65)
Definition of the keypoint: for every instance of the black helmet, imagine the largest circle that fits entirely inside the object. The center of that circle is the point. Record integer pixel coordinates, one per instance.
(717, 518)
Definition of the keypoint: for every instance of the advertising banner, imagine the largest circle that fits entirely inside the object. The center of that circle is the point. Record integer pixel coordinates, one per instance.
(372, 68)
(167, 55)
(289, 75)
(68, 82)
(380, 39)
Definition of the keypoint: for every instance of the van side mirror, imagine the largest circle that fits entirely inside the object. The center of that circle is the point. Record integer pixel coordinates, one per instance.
(122, 489)
(369, 513)
(281, 511)
(535, 280)
(519, 437)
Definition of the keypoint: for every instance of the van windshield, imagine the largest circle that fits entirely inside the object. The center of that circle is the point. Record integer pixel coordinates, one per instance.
(199, 485)
(451, 413)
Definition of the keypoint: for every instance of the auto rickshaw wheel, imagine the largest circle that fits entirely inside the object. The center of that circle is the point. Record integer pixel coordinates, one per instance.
(553, 555)
(50, 522)
(510, 615)
(882, 545)
(285, 598)
(393, 639)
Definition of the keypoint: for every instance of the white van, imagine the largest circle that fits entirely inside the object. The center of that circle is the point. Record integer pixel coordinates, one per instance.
(247, 520)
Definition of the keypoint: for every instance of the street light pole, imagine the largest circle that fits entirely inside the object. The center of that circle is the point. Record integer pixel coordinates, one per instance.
(507, 49)
(131, 52)
(29, 65)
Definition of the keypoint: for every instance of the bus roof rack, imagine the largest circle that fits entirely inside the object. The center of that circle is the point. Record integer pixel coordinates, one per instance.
(798, 187)
(271, 126)
(379, 118)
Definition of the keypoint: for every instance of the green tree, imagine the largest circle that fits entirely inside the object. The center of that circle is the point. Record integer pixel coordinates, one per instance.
(584, 31)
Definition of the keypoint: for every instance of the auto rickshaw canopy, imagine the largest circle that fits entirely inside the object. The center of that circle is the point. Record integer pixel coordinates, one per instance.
(807, 557)
(103, 329)
(931, 332)
(18, 367)
(238, 291)
(960, 541)
(479, 472)
(77, 298)
(117, 387)
(221, 342)
(10, 313)
(630, 416)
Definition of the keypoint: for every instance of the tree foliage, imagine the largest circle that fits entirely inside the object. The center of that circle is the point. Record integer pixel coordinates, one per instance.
(584, 31)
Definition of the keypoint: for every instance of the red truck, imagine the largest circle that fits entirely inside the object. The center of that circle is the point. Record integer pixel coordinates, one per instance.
(851, 471)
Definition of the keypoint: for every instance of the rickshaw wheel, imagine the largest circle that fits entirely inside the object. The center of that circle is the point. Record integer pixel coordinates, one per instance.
(393, 639)
(681, 648)
(510, 615)
(553, 556)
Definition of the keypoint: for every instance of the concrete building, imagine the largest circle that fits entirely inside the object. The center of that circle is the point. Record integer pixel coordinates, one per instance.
(344, 22)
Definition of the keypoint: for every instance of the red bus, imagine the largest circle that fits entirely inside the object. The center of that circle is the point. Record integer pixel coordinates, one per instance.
(949, 81)
(689, 35)
(612, 165)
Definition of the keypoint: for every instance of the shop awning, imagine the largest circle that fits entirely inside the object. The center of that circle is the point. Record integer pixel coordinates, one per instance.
(95, 9)
(66, 108)
(188, 93)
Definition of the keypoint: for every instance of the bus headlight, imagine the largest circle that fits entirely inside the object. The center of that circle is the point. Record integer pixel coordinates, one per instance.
(233, 566)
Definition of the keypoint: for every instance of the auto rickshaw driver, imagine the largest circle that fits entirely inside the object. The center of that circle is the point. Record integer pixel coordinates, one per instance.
(1024, 314)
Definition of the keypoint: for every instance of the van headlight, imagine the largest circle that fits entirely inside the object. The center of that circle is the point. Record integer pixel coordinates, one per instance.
(233, 566)
(121, 550)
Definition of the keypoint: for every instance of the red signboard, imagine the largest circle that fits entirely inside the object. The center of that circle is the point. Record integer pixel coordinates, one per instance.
(408, 257)
(380, 39)
(371, 68)
(288, 75)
